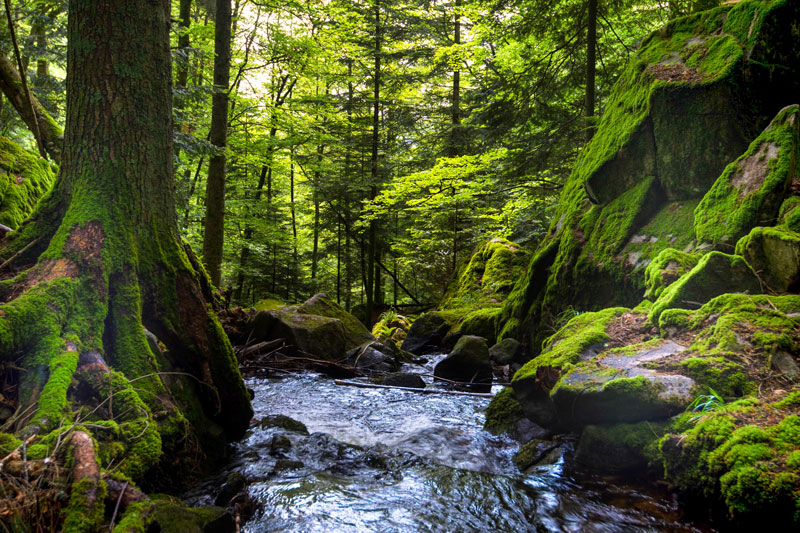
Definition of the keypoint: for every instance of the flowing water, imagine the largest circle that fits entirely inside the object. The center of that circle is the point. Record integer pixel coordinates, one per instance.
(397, 461)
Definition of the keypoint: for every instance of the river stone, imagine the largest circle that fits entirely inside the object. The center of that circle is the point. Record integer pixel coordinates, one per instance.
(311, 335)
(617, 386)
(235, 484)
(404, 379)
(426, 334)
(373, 355)
(279, 444)
(784, 363)
(617, 448)
(355, 332)
(775, 254)
(506, 351)
(283, 422)
(467, 363)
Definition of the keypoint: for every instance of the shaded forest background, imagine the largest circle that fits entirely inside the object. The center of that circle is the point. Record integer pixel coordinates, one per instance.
(367, 146)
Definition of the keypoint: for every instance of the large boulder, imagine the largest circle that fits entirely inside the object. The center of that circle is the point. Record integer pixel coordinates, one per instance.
(697, 93)
(750, 191)
(467, 363)
(374, 356)
(318, 336)
(355, 332)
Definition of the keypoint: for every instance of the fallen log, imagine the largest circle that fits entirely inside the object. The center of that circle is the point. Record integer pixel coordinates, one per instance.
(411, 389)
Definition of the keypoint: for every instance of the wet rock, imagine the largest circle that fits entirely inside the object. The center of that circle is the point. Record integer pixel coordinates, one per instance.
(235, 484)
(286, 464)
(617, 448)
(225, 523)
(785, 364)
(403, 379)
(775, 254)
(426, 334)
(467, 363)
(534, 453)
(279, 444)
(283, 422)
(506, 351)
(374, 356)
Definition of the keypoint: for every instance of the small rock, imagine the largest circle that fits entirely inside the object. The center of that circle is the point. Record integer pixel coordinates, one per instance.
(784, 363)
(467, 363)
(426, 334)
(279, 444)
(235, 484)
(506, 351)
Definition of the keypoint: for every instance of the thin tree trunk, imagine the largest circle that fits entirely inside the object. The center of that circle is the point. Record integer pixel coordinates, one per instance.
(591, 49)
(214, 226)
(372, 249)
(455, 135)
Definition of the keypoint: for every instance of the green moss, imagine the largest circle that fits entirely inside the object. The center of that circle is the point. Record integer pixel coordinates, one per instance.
(268, 305)
(24, 179)
(750, 190)
(726, 377)
(503, 412)
(715, 274)
(8, 443)
(52, 404)
(667, 267)
(482, 323)
(619, 447)
(564, 349)
(488, 276)
(748, 466)
(789, 216)
(79, 515)
(168, 516)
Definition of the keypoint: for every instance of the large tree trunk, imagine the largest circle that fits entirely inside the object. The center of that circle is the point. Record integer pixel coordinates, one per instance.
(112, 264)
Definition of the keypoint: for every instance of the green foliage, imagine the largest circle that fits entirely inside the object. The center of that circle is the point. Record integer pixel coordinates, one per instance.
(705, 403)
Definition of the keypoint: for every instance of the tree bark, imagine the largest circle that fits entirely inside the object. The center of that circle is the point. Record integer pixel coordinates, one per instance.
(372, 248)
(214, 225)
(114, 264)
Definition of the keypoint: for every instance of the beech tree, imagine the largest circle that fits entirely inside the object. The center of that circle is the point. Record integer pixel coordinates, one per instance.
(101, 260)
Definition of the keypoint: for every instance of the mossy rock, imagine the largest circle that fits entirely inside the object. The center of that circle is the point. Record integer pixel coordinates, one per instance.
(481, 323)
(488, 276)
(356, 333)
(737, 455)
(319, 336)
(269, 304)
(789, 216)
(775, 254)
(619, 448)
(696, 94)
(467, 363)
(503, 412)
(668, 267)
(24, 179)
(391, 328)
(171, 516)
(283, 422)
(715, 274)
(750, 191)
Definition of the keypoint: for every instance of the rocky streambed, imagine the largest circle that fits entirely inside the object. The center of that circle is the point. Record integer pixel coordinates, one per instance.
(395, 460)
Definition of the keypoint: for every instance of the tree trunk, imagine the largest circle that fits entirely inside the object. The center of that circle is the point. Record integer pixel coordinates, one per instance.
(214, 226)
(591, 49)
(372, 248)
(455, 134)
(114, 264)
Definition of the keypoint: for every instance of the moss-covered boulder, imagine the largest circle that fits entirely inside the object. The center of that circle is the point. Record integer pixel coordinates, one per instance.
(391, 328)
(171, 516)
(318, 336)
(697, 93)
(506, 352)
(746, 454)
(488, 276)
(24, 178)
(789, 216)
(467, 363)
(750, 191)
(667, 267)
(715, 274)
(775, 254)
(355, 332)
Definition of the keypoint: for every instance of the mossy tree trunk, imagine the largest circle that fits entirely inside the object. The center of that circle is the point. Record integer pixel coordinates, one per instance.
(112, 264)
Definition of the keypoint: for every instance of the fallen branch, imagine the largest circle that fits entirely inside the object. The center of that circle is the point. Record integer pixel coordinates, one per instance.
(412, 389)
(247, 351)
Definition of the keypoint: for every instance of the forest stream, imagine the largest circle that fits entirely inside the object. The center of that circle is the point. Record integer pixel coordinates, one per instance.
(393, 460)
